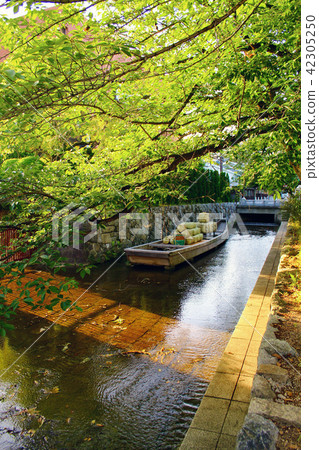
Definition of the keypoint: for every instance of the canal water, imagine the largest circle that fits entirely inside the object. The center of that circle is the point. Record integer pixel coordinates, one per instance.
(69, 391)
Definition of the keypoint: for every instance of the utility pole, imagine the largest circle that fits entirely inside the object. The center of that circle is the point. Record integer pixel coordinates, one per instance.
(221, 161)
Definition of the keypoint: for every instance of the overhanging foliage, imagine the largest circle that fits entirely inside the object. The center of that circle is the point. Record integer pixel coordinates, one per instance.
(107, 103)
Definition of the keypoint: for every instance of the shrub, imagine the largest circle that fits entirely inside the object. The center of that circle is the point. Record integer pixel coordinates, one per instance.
(292, 207)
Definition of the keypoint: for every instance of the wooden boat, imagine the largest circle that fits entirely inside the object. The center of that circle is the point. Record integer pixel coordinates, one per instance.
(168, 256)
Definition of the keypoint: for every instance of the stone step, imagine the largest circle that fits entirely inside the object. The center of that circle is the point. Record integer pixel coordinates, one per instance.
(289, 414)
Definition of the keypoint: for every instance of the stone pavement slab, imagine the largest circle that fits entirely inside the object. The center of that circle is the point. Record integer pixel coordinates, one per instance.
(226, 442)
(235, 417)
(223, 387)
(243, 388)
(198, 439)
(211, 414)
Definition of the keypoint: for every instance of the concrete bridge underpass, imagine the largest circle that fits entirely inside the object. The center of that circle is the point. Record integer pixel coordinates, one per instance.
(260, 212)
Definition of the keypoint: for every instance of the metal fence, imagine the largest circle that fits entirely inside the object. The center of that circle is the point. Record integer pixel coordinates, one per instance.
(8, 247)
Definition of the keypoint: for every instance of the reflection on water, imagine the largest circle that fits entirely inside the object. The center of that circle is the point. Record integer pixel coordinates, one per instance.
(69, 391)
(212, 295)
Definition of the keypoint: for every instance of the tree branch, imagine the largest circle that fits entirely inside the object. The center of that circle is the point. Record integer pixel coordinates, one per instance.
(192, 36)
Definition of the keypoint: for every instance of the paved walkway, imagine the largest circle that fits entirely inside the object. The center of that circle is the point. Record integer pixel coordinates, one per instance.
(186, 348)
(225, 404)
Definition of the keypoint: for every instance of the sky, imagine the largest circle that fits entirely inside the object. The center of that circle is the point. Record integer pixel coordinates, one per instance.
(8, 12)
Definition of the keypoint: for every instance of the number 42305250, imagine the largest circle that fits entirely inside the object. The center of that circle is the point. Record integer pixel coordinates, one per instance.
(310, 44)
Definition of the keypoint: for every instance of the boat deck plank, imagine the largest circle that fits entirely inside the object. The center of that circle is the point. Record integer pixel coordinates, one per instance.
(165, 246)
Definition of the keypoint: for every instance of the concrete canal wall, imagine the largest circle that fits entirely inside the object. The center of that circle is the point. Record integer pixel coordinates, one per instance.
(141, 227)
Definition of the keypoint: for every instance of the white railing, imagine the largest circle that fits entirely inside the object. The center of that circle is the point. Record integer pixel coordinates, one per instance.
(265, 202)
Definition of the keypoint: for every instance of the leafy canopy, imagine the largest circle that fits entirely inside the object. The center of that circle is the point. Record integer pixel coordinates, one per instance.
(101, 100)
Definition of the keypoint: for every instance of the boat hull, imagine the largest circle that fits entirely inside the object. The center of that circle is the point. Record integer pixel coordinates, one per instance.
(170, 258)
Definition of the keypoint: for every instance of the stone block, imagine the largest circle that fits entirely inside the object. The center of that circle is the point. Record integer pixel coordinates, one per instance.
(261, 388)
(108, 229)
(106, 239)
(279, 346)
(276, 373)
(273, 319)
(288, 414)
(270, 332)
(265, 358)
(257, 433)
(96, 247)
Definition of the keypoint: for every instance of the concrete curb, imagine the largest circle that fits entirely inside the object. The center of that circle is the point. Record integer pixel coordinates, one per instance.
(268, 375)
